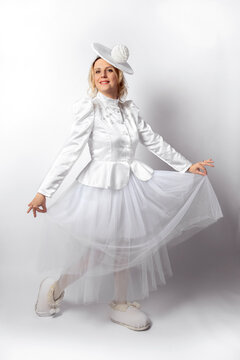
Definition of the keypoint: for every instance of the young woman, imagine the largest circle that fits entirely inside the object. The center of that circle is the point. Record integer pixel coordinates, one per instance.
(119, 212)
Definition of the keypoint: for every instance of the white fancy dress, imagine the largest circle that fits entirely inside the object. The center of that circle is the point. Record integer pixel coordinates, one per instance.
(114, 222)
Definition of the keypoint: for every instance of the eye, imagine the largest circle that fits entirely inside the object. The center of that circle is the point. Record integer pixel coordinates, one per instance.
(97, 71)
(111, 70)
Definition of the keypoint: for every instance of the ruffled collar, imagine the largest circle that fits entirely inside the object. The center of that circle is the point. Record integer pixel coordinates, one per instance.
(107, 100)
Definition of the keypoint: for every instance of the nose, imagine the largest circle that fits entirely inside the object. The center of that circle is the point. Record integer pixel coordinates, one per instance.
(104, 74)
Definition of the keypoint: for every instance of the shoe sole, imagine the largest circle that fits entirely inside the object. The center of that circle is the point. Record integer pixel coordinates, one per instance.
(132, 327)
(43, 314)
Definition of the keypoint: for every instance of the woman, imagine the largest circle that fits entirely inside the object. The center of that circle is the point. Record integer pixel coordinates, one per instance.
(120, 213)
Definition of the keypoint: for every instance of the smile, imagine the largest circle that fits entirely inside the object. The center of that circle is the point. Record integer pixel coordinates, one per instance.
(104, 82)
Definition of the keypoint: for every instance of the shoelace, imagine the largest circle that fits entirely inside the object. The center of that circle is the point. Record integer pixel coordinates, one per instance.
(124, 306)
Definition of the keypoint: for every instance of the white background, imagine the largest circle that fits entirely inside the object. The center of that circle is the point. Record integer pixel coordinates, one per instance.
(185, 56)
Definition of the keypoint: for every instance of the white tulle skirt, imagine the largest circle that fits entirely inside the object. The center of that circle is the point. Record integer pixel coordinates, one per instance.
(116, 241)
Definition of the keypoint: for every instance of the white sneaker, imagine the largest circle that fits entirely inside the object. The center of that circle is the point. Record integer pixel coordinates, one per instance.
(129, 315)
(46, 305)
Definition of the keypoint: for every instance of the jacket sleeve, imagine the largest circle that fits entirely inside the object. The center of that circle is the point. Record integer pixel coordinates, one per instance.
(156, 144)
(81, 129)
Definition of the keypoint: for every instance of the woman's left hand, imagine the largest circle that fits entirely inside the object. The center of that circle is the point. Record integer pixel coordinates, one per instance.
(197, 167)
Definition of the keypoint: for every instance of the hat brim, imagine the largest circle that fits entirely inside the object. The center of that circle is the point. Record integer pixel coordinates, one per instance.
(105, 53)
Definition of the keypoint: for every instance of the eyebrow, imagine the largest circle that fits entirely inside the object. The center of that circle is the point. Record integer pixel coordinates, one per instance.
(105, 67)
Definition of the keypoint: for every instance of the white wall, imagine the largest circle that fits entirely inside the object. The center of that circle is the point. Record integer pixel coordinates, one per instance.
(186, 60)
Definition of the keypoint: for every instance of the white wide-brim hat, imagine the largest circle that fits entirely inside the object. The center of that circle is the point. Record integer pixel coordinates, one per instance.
(117, 56)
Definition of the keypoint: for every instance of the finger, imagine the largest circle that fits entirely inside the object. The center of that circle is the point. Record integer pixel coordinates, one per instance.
(40, 210)
(207, 161)
(203, 170)
(206, 164)
(202, 167)
(200, 173)
(29, 209)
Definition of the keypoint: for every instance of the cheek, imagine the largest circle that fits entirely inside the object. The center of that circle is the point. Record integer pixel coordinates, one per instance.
(114, 78)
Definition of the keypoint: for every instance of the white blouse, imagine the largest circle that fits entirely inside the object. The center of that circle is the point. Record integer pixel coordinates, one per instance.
(112, 128)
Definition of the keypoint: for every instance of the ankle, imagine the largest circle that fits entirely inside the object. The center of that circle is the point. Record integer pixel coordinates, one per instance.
(56, 292)
(119, 301)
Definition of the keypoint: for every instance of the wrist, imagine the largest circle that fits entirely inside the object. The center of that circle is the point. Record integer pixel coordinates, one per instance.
(38, 193)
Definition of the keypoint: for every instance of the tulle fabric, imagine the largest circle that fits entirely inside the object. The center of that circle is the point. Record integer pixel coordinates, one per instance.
(116, 241)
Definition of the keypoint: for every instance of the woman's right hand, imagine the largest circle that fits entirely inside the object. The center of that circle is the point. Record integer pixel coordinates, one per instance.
(39, 200)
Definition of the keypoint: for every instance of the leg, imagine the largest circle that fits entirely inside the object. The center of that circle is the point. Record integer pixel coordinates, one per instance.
(75, 271)
(51, 291)
(121, 278)
(121, 284)
(122, 311)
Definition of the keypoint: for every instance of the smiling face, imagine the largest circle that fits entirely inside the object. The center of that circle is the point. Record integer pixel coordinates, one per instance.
(105, 77)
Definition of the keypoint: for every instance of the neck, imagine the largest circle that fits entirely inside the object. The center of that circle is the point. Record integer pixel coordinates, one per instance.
(110, 95)
(108, 101)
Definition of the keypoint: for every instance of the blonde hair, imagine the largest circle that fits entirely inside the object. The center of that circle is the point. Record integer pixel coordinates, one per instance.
(122, 84)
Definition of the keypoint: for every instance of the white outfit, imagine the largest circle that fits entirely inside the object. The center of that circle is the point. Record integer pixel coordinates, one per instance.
(113, 130)
(119, 215)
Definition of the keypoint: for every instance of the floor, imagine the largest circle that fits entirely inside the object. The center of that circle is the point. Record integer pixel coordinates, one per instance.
(195, 316)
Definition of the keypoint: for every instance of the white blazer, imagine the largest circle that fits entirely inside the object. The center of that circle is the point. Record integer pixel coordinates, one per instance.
(112, 128)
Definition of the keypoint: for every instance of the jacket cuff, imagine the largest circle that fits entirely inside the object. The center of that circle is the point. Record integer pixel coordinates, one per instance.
(186, 168)
(44, 193)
